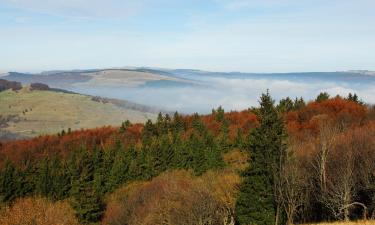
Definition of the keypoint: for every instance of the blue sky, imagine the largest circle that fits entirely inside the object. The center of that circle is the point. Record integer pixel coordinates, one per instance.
(216, 35)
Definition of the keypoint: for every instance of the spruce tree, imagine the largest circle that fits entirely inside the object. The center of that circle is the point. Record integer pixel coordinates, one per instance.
(43, 181)
(323, 96)
(8, 183)
(87, 203)
(257, 202)
(119, 172)
(177, 123)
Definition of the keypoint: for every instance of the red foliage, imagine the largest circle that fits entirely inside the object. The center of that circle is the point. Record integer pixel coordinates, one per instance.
(337, 110)
(300, 124)
(49, 145)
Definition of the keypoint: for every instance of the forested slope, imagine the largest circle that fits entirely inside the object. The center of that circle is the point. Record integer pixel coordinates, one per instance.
(181, 168)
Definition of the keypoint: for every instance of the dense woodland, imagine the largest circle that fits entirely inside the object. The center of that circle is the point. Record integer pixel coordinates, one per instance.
(286, 163)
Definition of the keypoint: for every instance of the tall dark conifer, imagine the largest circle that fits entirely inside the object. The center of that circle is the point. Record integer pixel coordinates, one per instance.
(257, 202)
(86, 202)
(8, 183)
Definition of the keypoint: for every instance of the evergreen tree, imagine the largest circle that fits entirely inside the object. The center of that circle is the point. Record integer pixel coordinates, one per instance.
(119, 172)
(86, 202)
(239, 142)
(197, 124)
(197, 149)
(285, 105)
(148, 132)
(100, 175)
(323, 96)
(257, 202)
(219, 114)
(299, 103)
(124, 126)
(354, 98)
(25, 177)
(224, 136)
(8, 183)
(143, 171)
(177, 123)
(62, 183)
(43, 181)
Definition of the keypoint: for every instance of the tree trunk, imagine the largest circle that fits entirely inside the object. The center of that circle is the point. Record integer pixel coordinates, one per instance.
(277, 214)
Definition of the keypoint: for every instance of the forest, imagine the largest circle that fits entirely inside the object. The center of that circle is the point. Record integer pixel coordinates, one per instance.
(291, 162)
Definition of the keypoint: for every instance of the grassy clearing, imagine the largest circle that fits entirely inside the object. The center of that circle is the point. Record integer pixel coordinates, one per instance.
(43, 112)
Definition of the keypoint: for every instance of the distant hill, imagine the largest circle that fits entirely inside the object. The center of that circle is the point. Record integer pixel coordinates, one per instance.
(30, 112)
(102, 77)
(138, 77)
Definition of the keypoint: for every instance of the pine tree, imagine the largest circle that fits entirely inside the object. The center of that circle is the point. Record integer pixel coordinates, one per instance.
(323, 96)
(219, 114)
(257, 202)
(119, 172)
(197, 149)
(224, 136)
(59, 182)
(177, 123)
(43, 181)
(299, 103)
(285, 105)
(8, 183)
(100, 176)
(239, 142)
(87, 203)
(124, 126)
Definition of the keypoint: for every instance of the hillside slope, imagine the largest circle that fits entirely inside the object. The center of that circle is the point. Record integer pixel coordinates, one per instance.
(29, 113)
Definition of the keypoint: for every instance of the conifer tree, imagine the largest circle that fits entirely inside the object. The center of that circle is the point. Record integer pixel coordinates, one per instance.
(285, 105)
(239, 142)
(224, 136)
(124, 126)
(8, 183)
(299, 103)
(59, 180)
(257, 203)
(43, 182)
(197, 149)
(25, 176)
(177, 123)
(323, 96)
(119, 172)
(100, 175)
(87, 203)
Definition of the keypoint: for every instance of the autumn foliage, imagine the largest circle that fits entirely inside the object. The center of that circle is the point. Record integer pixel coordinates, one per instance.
(186, 169)
(175, 198)
(38, 211)
(106, 138)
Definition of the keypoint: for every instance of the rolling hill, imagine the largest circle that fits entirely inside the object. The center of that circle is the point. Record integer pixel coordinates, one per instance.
(29, 113)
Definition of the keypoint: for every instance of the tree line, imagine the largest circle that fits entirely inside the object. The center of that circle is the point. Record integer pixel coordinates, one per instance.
(308, 162)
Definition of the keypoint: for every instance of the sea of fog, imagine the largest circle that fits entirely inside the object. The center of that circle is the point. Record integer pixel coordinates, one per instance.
(233, 91)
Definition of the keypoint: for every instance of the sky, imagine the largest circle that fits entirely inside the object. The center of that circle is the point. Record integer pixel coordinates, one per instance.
(215, 35)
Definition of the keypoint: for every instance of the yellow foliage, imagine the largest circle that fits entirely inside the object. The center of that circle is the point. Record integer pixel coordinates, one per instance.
(37, 211)
(175, 197)
(236, 159)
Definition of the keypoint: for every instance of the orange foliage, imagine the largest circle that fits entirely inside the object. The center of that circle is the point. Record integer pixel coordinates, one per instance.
(301, 124)
(38, 211)
(336, 110)
(48, 145)
(106, 137)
